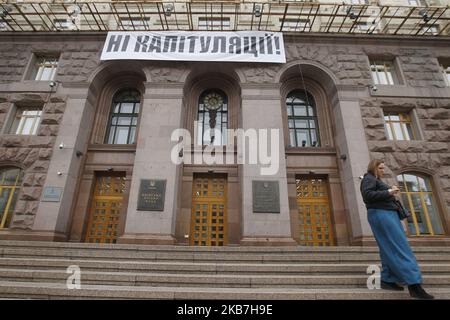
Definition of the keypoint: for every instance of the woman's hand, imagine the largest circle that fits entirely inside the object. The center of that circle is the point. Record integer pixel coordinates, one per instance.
(394, 190)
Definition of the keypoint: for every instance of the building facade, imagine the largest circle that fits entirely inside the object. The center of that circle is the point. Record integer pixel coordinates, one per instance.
(81, 137)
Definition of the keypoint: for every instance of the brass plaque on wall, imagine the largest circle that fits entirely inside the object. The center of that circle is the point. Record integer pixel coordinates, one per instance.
(151, 195)
(266, 196)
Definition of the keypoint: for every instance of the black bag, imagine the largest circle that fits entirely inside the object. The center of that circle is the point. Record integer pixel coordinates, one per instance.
(402, 212)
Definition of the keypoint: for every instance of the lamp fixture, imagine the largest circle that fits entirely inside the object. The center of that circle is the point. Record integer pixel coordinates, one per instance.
(424, 14)
(168, 9)
(257, 10)
(351, 13)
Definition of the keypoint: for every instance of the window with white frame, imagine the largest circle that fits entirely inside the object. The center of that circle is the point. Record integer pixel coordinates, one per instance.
(134, 23)
(399, 126)
(26, 121)
(44, 68)
(207, 23)
(383, 72)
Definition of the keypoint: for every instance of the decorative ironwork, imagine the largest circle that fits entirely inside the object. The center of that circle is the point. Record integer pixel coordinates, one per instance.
(237, 15)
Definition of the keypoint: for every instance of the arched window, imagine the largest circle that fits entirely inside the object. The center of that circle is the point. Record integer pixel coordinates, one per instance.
(123, 118)
(212, 118)
(417, 196)
(302, 119)
(10, 181)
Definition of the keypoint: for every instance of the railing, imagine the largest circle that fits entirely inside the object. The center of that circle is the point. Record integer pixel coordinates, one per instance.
(233, 15)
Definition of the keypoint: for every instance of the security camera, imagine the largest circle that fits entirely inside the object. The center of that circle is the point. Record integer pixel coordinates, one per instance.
(59, 173)
(52, 84)
(61, 145)
(373, 87)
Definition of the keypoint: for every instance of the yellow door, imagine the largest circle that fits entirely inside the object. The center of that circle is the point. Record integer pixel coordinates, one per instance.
(314, 212)
(105, 210)
(209, 211)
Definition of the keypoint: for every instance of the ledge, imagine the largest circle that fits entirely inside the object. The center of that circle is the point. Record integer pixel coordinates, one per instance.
(112, 148)
(310, 151)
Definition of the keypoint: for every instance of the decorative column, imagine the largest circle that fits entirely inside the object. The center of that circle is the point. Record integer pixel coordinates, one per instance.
(153, 198)
(265, 207)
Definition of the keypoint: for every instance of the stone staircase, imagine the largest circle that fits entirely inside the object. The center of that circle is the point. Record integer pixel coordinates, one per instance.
(38, 270)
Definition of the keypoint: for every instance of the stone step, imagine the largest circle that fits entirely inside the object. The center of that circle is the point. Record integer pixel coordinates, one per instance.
(203, 268)
(191, 249)
(209, 256)
(199, 280)
(24, 290)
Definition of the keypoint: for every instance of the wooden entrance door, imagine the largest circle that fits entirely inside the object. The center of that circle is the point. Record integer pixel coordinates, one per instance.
(209, 210)
(105, 209)
(315, 227)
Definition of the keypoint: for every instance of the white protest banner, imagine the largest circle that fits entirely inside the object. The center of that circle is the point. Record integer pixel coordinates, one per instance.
(245, 46)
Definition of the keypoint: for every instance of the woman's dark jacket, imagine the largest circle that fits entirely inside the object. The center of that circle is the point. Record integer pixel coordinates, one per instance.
(375, 193)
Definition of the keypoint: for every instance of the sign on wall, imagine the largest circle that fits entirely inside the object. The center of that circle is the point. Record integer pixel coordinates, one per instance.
(51, 194)
(245, 46)
(151, 195)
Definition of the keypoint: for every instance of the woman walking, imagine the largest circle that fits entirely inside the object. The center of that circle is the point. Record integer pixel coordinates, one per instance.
(398, 262)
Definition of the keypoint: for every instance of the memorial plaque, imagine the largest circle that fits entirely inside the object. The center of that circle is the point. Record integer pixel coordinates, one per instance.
(51, 194)
(266, 196)
(151, 195)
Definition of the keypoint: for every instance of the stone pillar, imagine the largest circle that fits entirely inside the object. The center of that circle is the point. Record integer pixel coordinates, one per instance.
(161, 115)
(351, 142)
(261, 110)
(53, 218)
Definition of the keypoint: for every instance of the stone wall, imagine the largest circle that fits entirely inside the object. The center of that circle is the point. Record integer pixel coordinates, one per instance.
(32, 153)
(430, 153)
(347, 60)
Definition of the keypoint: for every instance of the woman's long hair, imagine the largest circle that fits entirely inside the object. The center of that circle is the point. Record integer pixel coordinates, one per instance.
(373, 165)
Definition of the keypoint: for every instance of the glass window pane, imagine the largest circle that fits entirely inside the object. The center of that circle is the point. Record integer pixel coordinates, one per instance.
(301, 124)
(433, 213)
(132, 135)
(314, 140)
(124, 121)
(303, 138)
(292, 138)
(126, 107)
(389, 131)
(375, 78)
(28, 125)
(398, 131)
(312, 123)
(137, 106)
(408, 131)
(300, 111)
(111, 135)
(117, 108)
(411, 183)
(121, 135)
(46, 74)
(382, 77)
(389, 77)
(289, 110)
(420, 214)
(291, 124)
(310, 111)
